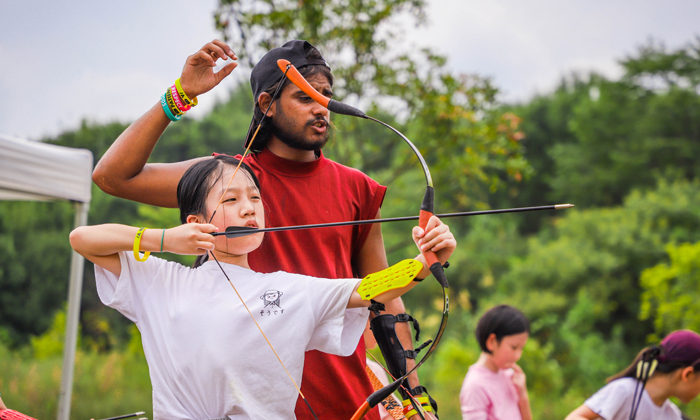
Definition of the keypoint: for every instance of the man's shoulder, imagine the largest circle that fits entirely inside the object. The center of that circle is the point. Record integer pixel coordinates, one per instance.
(347, 170)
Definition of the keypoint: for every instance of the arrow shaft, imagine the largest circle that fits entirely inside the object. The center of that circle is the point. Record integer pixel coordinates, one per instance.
(235, 233)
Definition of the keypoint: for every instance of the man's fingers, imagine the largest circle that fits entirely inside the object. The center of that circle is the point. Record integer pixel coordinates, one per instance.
(215, 50)
(204, 57)
(225, 48)
(225, 71)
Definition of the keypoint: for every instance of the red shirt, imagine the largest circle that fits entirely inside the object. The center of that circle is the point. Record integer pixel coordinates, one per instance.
(300, 193)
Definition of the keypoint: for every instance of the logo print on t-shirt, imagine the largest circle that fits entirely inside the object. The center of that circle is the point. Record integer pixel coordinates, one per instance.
(271, 298)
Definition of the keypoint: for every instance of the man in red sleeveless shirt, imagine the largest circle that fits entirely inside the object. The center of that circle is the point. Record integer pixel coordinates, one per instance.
(300, 186)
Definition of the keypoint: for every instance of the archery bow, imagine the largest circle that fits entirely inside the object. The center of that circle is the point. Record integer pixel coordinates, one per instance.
(426, 209)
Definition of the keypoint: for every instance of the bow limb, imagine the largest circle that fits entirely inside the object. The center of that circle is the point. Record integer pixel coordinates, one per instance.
(376, 397)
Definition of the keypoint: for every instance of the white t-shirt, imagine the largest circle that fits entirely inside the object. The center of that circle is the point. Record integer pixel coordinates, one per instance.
(206, 357)
(614, 402)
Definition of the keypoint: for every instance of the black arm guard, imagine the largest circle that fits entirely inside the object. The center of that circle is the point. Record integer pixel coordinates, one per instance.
(383, 327)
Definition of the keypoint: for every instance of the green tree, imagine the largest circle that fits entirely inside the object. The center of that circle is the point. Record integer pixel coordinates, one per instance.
(594, 139)
(579, 281)
(670, 290)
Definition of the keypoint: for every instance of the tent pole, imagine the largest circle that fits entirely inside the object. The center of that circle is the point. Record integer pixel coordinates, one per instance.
(72, 318)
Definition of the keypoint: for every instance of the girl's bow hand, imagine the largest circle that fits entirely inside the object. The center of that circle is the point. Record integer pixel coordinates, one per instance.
(436, 238)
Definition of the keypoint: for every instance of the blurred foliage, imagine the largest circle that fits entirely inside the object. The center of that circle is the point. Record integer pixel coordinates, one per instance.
(598, 282)
(105, 384)
(670, 290)
(593, 140)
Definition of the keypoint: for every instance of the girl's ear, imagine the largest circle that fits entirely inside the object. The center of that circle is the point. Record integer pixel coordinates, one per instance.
(194, 219)
(492, 342)
(687, 374)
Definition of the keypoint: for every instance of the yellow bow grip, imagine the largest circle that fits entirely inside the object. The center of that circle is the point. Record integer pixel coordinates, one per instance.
(397, 276)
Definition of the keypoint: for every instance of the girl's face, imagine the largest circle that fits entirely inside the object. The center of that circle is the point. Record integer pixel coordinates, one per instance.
(506, 353)
(241, 205)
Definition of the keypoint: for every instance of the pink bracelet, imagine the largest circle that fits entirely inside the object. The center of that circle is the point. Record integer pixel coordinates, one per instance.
(178, 101)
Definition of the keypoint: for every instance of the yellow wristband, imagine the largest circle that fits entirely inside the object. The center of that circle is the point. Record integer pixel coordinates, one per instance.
(137, 244)
(411, 410)
(183, 95)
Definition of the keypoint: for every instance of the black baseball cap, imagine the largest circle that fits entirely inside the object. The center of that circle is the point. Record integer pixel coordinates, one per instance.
(267, 73)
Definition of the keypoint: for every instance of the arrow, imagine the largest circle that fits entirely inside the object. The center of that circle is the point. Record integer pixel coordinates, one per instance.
(126, 416)
(238, 231)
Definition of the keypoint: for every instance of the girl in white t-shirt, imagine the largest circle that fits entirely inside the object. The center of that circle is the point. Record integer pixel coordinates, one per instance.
(671, 369)
(207, 358)
(494, 388)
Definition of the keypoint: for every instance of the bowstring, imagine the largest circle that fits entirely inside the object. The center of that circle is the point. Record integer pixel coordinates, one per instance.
(263, 333)
(221, 199)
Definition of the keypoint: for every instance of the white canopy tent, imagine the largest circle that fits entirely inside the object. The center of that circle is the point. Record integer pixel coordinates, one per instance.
(31, 170)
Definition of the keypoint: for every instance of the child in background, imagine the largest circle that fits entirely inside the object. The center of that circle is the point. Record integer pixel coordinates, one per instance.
(206, 358)
(677, 374)
(494, 388)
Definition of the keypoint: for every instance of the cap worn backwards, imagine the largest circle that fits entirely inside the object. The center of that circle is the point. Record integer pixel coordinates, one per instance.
(682, 346)
(266, 73)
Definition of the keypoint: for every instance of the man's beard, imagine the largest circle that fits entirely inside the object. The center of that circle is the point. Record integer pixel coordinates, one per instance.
(295, 140)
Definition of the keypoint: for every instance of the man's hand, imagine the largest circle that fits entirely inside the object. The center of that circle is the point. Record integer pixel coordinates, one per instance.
(198, 75)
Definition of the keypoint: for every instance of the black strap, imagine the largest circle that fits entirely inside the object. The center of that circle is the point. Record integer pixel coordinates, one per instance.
(418, 280)
(420, 389)
(405, 318)
(376, 307)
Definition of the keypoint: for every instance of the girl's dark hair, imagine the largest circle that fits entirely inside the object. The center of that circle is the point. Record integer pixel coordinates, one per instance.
(502, 320)
(307, 72)
(196, 183)
(667, 357)
(678, 350)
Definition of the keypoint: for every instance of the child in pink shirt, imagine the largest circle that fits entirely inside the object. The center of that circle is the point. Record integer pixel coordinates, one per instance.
(494, 388)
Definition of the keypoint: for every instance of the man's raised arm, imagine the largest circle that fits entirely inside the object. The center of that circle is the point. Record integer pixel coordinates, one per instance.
(123, 172)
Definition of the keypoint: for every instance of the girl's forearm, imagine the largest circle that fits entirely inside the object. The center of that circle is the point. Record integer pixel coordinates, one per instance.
(109, 239)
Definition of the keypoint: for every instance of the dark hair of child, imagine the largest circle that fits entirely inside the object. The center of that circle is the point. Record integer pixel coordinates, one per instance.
(196, 183)
(502, 320)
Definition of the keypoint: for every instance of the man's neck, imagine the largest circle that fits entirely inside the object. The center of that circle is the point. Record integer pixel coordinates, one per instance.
(285, 152)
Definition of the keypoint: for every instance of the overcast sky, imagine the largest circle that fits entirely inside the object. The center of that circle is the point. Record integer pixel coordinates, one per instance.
(68, 60)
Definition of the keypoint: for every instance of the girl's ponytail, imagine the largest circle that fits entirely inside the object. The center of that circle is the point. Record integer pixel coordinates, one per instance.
(647, 354)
